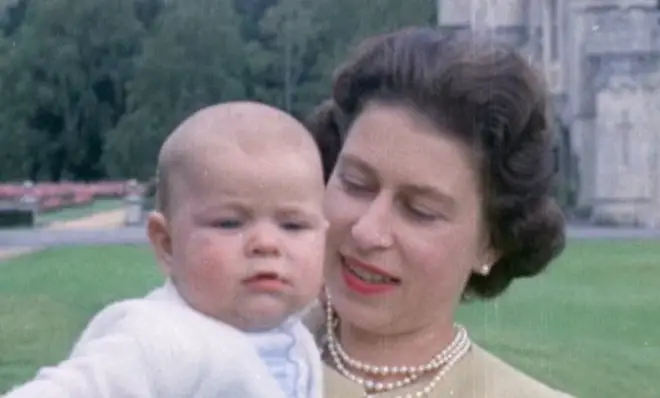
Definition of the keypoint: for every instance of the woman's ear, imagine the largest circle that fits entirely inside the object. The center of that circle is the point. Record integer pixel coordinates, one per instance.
(486, 261)
(158, 232)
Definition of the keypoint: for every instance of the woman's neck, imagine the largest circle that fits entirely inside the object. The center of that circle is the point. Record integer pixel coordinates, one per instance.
(404, 349)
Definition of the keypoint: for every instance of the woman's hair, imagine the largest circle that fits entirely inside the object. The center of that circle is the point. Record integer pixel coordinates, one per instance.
(489, 97)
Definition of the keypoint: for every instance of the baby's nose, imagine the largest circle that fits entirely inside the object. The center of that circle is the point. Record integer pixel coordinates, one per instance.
(263, 240)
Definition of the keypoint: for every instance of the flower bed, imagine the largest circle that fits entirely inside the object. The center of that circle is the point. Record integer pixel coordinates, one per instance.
(56, 196)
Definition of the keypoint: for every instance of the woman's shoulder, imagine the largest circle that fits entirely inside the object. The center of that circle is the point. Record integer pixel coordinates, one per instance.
(499, 379)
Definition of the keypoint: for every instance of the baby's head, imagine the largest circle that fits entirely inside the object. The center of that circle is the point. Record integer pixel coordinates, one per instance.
(239, 226)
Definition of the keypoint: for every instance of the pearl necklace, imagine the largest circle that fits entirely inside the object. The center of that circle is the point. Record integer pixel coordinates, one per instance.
(442, 362)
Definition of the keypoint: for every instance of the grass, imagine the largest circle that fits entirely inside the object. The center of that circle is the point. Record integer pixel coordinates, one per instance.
(589, 326)
(72, 213)
(46, 298)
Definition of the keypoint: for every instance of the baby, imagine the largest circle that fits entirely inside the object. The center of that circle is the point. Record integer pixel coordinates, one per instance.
(239, 232)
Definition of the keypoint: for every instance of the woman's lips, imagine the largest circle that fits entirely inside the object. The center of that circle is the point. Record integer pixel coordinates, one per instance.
(367, 279)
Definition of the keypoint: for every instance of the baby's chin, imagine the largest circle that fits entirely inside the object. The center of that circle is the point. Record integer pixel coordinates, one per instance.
(263, 314)
(261, 322)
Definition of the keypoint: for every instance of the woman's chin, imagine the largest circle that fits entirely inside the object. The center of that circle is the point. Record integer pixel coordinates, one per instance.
(365, 315)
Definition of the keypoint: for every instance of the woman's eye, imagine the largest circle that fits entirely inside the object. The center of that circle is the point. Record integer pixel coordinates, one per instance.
(228, 224)
(353, 186)
(422, 215)
(294, 226)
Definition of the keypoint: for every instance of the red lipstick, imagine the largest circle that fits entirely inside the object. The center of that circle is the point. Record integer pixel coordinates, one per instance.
(359, 277)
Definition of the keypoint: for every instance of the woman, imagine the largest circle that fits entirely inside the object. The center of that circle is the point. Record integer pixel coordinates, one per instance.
(440, 193)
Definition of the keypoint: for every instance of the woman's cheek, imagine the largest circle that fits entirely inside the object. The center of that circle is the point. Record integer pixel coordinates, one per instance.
(336, 206)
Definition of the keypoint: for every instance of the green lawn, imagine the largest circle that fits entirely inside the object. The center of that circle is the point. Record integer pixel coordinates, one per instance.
(589, 326)
(71, 213)
(46, 298)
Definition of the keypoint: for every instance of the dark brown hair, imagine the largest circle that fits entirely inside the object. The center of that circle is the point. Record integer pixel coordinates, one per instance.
(489, 97)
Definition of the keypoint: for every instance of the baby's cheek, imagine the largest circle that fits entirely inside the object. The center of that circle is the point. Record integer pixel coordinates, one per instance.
(211, 263)
(214, 283)
(312, 265)
(212, 248)
(214, 264)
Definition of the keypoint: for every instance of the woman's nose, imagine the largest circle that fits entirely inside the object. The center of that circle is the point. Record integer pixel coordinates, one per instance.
(373, 229)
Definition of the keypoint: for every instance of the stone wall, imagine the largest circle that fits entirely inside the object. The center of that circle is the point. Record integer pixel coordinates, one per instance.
(628, 110)
(604, 82)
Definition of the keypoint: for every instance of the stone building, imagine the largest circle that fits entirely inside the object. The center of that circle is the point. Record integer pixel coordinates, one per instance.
(602, 62)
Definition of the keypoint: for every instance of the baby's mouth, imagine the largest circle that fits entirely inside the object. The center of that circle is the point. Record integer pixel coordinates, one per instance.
(266, 282)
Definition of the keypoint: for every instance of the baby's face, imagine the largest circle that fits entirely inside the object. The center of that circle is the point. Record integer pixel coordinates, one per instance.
(248, 237)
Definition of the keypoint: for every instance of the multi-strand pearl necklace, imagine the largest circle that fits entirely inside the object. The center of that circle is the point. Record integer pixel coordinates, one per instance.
(442, 362)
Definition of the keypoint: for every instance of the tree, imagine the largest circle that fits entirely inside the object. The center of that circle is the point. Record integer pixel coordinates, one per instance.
(12, 13)
(63, 83)
(90, 89)
(347, 22)
(194, 57)
(251, 12)
(302, 41)
(15, 137)
(288, 29)
(147, 11)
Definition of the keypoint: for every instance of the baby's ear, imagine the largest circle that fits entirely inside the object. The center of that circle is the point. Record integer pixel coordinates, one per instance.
(158, 232)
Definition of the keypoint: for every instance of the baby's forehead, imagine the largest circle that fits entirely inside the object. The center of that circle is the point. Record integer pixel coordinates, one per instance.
(223, 151)
(235, 135)
(227, 161)
(249, 136)
(241, 186)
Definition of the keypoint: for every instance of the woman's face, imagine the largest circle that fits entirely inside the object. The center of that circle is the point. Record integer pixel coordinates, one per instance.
(406, 227)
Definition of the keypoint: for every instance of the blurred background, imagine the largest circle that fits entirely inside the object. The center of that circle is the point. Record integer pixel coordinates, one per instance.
(89, 89)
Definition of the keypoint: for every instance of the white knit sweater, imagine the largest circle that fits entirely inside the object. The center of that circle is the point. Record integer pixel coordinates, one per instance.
(158, 347)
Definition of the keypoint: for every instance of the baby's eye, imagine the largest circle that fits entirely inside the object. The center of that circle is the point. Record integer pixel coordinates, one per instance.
(228, 224)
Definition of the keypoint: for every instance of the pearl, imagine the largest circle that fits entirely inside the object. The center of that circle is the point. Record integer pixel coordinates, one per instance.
(442, 362)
